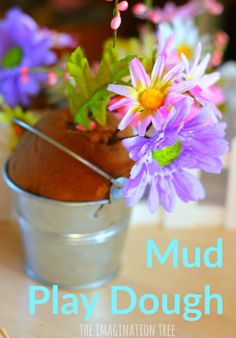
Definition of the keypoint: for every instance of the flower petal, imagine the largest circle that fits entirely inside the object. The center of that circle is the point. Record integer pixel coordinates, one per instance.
(139, 77)
(173, 73)
(135, 188)
(153, 197)
(125, 102)
(166, 192)
(142, 125)
(208, 80)
(210, 164)
(197, 55)
(126, 119)
(122, 90)
(187, 186)
(199, 70)
(158, 68)
(183, 87)
(157, 119)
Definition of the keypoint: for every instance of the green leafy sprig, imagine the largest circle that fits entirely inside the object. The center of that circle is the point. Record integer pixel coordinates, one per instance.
(88, 95)
(7, 114)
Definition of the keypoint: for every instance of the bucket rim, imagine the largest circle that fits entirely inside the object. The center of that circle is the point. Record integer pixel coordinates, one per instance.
(14, 187)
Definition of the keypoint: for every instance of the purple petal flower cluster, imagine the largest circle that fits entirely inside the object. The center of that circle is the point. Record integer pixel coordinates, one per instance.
(175, 113)
(163, 162)
(24, 49)
(59, 40)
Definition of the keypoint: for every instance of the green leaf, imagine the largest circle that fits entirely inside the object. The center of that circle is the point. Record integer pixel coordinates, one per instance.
(7, 114)
(167, 155)
(12, 58)
(82, 118)
(98, 105)
(88, 94)
(3, 118)
(78, 68)
(80, 114)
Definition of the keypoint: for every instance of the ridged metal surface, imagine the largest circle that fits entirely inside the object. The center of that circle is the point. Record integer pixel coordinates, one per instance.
(70, 244)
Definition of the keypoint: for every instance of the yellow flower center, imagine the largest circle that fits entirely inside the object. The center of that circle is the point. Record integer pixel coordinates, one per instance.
(184, 49)
(151, 99)
(190, 78)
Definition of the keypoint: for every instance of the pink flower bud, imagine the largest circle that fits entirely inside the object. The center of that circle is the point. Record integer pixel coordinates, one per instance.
(217, 57)
(139, 9)
(52, 78)
(24, 71)
(123, 6)
(80, 128)
(154, 16)
(214, 7)
(116, 22)
(93, 125)
(221, 39)
(66, 76)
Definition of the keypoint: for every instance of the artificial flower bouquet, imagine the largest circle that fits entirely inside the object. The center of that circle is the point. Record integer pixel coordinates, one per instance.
(30, 63)
(30, 68)
(148, 114)
(26, 53)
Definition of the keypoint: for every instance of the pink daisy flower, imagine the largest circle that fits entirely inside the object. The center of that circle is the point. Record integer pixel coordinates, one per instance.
(196, 81)
(149, 95)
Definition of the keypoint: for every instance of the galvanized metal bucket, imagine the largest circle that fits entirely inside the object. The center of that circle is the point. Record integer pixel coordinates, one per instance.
(74, 245)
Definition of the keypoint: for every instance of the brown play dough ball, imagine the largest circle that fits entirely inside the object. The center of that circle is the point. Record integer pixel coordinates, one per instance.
(40, 168)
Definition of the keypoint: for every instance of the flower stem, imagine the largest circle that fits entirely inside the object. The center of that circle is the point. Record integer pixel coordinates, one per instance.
(149, 3)
(115, 13)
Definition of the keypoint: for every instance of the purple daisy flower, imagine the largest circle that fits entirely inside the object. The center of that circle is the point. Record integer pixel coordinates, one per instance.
(59, 40)
(23, 47)
(163, 162)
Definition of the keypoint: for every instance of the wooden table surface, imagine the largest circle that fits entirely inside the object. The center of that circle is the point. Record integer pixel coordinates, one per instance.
(14, 288)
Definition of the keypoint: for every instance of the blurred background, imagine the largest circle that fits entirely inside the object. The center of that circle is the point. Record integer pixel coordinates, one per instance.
(88, 20)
